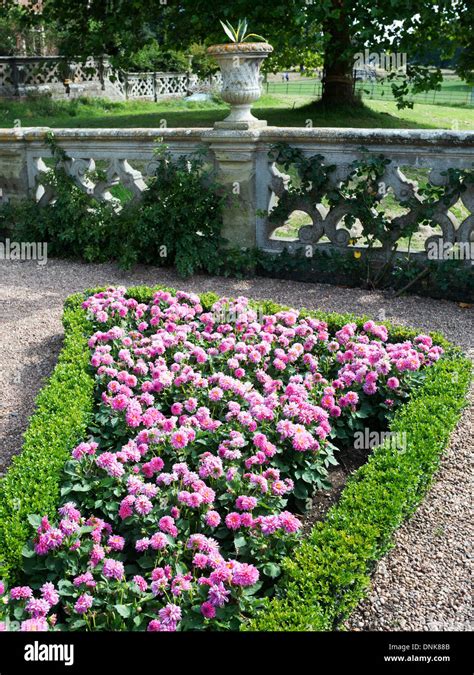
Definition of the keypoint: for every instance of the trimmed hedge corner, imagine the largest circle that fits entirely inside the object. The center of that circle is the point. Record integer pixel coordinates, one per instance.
(32, 484)
(329, 573)
(330, 570)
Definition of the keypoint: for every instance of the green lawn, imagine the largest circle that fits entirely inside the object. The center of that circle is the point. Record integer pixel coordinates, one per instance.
(453, 92)
(278, 110)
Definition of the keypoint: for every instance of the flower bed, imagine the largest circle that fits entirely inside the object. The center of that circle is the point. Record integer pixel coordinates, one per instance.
(213, 424)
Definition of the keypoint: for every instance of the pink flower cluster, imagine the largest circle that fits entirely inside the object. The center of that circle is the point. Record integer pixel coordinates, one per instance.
(35, 609)
(210, 577)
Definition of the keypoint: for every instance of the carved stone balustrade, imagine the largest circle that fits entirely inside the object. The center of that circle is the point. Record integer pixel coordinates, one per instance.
(253, 181)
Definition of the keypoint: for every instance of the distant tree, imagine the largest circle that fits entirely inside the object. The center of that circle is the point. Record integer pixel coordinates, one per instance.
(153, 57)
(10, 28)
(7, 37)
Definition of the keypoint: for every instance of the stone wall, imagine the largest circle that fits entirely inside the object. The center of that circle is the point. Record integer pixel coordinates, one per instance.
(252, 180)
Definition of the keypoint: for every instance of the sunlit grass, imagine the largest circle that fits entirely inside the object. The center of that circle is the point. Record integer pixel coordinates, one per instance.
(278, 110)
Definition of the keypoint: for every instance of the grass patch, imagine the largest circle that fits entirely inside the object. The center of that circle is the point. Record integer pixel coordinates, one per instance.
(453, 91)
(277, 109)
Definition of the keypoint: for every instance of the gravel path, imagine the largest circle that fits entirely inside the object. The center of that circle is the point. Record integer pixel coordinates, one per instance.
(423, 583)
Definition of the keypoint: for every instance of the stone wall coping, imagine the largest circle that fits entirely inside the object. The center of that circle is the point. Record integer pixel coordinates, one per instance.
(325, 135)
(353, 136)
(379, 136)
(40, 133)
(51, 57)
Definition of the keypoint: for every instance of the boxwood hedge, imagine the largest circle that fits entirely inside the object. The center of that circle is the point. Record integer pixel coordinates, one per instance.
(32, 483)
(329, 571)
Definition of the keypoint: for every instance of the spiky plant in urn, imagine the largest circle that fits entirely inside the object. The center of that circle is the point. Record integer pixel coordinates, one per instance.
(240, 61)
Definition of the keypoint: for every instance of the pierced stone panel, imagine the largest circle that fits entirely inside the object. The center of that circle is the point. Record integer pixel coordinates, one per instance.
(414, 206)
(140, 85)
(166, 85)
(289, 231)
(117, 170)
(98, 181)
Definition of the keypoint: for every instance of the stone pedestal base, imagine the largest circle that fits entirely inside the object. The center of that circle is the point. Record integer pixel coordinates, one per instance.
(240, 118)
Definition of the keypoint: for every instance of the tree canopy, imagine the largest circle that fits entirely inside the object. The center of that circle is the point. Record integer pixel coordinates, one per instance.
(303, 32)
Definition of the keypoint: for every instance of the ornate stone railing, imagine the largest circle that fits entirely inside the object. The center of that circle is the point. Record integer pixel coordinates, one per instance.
(54, 75)
(255, 183)
(152, 86)
(413, 158)
(24, 75)
(124, 156)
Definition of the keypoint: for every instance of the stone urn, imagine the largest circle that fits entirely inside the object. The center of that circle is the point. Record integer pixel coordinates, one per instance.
(240, 68)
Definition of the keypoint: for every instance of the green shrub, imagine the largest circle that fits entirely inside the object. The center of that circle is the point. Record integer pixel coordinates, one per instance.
(76, 225)
(161, 229)
(177, 222)
(202, 64)
(446, 279)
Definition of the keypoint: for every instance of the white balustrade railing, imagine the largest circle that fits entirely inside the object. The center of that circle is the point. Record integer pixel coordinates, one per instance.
(58, 77)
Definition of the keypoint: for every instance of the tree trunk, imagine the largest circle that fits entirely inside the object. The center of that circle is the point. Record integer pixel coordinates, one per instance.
(338, 84)
(338, 77)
